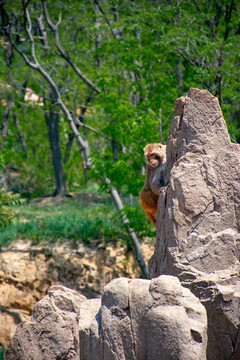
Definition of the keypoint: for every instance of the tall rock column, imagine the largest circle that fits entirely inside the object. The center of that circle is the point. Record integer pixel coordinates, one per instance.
(198, 220)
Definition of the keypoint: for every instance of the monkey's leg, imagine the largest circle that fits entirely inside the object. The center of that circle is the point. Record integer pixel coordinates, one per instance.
(148, 201)
(151, 217)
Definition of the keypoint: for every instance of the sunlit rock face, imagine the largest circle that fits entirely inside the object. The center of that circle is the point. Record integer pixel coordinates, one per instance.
(199, 210)
(198, 221)
(136, 319)
(27, 271)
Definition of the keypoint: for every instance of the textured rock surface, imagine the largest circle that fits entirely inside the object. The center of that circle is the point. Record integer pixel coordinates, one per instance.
(144, 320)
(219, 292)
(27, 271)
(136, 320)
(198, 223)
(53, 330)
(199, 211)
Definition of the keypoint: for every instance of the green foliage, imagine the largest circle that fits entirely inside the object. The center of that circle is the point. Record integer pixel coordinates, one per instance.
(7, 200)
(70, 220)
(8, 213)
(1, 161)
(139, 222)
(1, 352)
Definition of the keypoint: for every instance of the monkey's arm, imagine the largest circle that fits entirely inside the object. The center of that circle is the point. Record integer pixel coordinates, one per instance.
(157, 181)
(162, 181)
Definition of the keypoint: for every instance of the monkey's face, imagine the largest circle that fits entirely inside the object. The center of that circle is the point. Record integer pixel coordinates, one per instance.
(154, 154)
(153, 159)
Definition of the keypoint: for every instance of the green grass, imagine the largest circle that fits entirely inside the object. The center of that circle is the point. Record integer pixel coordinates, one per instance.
(69, 220)
(85, 217)
(1, 353)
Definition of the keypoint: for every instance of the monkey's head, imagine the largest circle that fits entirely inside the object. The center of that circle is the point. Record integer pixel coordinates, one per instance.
(155, 154)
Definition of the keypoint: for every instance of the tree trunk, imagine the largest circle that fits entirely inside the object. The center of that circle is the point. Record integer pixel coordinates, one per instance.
(135, 242)
(179, 73)
(20, 134)
(4, 129)
(52, 121)
(114, 150)
(85, 136)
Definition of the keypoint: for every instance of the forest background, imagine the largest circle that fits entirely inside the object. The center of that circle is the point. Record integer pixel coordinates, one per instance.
(84, 86)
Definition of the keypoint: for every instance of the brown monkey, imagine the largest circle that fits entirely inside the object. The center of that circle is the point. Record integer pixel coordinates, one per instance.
(154, 180)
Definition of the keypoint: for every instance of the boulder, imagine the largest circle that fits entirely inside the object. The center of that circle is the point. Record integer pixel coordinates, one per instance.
(142, 319)
(135, 320)
(28, 270)
(219, 292)
(198, 220)
(52, 332)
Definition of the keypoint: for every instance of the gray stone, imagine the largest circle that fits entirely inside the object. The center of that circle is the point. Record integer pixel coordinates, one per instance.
(89, 328)
(198, 220)
(199, 210)
(135, 320)
(52, 332)
(146, 320)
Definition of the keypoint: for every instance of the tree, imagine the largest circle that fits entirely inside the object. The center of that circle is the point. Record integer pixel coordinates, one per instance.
(52, 120)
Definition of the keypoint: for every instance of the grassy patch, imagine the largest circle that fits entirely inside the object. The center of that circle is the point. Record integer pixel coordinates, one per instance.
(86, 217)
(70, 219)
(1, 352)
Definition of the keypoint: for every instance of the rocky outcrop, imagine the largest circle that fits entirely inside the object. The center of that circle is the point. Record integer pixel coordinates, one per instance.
(53, 331)
(198, 221)
(27, 271)
(199, 210)
(136, 320)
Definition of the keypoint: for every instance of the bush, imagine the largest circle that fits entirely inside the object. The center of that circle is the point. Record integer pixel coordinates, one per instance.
(7, 199)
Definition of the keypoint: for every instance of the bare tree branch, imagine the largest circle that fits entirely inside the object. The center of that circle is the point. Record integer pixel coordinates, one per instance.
(62, 52)
(58, 100)
(43, 32)
(197, 6)
(193, 63)
(78, 122)
(106, 18)
(4, 129)
(138, 253)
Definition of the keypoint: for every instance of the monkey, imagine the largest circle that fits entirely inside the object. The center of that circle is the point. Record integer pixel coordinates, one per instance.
(156, 161)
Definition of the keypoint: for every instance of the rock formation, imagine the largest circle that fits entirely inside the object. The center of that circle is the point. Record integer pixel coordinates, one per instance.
(53, 331)
(136, 320)
(199, 210)
(27, 271)
(198, 223)
(194, 269)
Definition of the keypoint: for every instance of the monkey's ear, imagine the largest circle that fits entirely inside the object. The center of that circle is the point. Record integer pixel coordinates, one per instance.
(160, 146)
